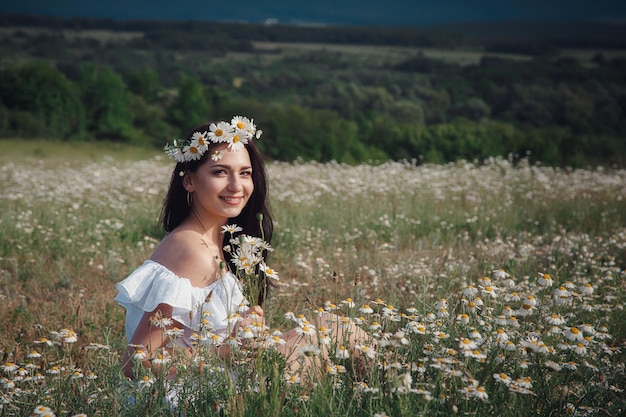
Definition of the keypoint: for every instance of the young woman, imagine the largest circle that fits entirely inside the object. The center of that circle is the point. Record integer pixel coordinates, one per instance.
(219, 179)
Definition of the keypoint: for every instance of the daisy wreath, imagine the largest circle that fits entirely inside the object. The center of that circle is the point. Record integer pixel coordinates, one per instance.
(236, 134)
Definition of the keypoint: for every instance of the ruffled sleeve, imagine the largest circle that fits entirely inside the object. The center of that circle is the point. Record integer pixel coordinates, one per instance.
(152, 284)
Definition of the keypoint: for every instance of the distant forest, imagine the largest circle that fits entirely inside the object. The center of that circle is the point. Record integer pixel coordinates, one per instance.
(143, 82)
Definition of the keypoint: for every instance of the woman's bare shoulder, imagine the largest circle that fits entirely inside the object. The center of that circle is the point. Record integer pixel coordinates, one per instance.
(185, 253)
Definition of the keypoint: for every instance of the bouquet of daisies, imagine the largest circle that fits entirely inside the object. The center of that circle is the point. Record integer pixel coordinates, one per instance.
(247, 256)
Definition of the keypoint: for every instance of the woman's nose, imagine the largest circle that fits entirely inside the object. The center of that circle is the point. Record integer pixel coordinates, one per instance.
(234, 183)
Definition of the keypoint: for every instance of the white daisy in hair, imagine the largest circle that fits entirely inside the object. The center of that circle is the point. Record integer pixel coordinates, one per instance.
(243, 123)
(238, 140)
(200, 141)
(191, 153)
(220, 132)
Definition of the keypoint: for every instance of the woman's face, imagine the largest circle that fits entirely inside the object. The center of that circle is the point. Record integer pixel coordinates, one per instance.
(221, 188)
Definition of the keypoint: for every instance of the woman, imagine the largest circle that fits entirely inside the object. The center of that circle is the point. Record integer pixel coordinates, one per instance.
(219, 180)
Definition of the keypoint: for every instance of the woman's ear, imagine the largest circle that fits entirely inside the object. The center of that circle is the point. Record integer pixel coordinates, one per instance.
(187, 182)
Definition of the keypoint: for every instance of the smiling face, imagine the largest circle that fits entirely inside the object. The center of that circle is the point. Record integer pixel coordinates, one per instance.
(221, 189)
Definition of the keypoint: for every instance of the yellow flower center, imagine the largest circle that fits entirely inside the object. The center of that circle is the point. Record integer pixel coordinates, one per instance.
(219, 132)
(193, 149)
(236, 139)
(240, 125)
(574, 330)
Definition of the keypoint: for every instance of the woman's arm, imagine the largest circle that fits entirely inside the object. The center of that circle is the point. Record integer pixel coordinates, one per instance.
(148, 337)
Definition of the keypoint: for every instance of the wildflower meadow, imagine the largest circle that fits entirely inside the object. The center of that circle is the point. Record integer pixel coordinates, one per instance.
(485, 288)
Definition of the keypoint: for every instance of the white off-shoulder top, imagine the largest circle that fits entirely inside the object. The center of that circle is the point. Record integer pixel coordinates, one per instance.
(152, 284)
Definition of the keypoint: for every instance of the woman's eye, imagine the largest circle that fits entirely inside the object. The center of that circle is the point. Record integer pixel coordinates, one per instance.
(246, 173)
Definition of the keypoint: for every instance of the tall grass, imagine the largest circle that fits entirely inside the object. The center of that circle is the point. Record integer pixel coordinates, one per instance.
(445, 256)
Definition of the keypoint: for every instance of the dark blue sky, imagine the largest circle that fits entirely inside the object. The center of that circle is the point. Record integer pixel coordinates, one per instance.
(385, 12)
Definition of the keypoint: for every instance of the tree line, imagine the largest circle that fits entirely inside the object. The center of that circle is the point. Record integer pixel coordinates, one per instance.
(320, 104)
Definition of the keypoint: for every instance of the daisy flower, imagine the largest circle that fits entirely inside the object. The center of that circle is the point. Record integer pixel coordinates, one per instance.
(246, 333)
(217, 155)
(467, 344)
(243, 123)
(174, 333)
(215, 339)
(161, 359)
(238, 140)
(366, 350)
(500, 274)
(501, 335)
(275, 339)
(490, 290)
(479, 393)
(347, 302)
(231, 228)
(140, 355)
(463, 318)
(292, 379)
(7, 383)
(269, 272)
(580, 349)
(145, 382)
(586, 289)
(200, 141)
(470, 291)
(366, 309)
(309, 350)
(341, 352)
(191, 153)
(220, 132)
(555, 319)
(34, 355)
(573, 334)
(176, 154)
(306, 329)
(161, 321)
(41, 410)
(9, 367)
(545, 280)
(502, 377)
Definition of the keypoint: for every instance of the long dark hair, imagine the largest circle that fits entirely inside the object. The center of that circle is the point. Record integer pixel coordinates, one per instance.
(175, 208)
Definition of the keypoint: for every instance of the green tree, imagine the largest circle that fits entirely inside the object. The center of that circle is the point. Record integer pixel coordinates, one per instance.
(41, 101)
(190, 107)
(144, 83)
(107, 103)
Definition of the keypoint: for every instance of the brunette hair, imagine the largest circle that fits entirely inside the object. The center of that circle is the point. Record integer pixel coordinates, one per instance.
(175, 208)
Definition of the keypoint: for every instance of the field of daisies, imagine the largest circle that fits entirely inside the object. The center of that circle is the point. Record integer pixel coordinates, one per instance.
(492, 288)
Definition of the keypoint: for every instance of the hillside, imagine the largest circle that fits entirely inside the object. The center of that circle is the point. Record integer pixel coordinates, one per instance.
(555, 92)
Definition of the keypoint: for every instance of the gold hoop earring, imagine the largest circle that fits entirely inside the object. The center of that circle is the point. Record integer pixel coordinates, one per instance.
(189, 198)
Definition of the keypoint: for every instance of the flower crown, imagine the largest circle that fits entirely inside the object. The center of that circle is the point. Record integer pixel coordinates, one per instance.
(237, 133)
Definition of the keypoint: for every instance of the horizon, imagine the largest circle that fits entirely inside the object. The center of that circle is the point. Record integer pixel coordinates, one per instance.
(328, 13)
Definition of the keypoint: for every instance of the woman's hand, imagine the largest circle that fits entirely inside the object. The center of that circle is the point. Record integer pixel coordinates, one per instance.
(252, 319)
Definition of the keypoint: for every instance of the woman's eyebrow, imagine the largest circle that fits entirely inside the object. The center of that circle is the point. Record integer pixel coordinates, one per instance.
(230, 166)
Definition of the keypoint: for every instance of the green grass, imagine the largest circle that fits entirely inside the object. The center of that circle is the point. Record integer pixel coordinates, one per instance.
(415, 237)
(54, 151)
